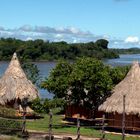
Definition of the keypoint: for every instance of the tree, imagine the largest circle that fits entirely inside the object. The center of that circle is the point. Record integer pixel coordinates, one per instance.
(32, 72)
(41, 50)
(103, 43)
(118, 73)
(87, 80)
(58, 81)
(90, 82)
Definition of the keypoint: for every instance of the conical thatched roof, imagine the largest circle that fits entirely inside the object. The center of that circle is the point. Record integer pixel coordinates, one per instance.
(129, 86)
(15, 85)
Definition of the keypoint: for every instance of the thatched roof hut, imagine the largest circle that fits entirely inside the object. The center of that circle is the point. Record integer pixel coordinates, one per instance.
(129, 86)
(14, 85)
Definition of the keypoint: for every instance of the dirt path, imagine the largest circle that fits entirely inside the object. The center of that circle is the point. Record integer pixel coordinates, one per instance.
(41, 136)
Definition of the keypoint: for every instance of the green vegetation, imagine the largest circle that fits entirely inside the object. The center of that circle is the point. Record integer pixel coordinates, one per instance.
(127, 51)
(10, 126)
(10, 123)
(87, 81)
(39, 50)
(7, 112)
(60, 127)
(44, 105)
(32, 72)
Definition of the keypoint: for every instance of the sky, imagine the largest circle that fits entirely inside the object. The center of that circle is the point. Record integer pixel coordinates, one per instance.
(72, 20)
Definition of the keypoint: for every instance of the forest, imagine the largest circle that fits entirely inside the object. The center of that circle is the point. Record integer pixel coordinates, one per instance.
(127, 51)
(39, 50)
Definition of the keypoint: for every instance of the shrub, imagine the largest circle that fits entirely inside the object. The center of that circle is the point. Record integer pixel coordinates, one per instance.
(10, 126)
(43, 106)
(7, 112)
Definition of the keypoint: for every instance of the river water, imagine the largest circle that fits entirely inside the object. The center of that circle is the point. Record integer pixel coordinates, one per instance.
(125, 59)
(46, 67)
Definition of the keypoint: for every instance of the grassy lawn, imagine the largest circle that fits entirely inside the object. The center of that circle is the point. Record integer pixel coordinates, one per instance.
(42, 125)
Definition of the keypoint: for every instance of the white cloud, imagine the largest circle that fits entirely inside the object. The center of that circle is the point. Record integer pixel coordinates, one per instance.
(29, 38)
(49, 33)
(68, 34)
(132, 39)
(59, 36)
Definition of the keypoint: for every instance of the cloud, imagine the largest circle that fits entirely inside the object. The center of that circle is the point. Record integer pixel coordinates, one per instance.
(132, 39)
(128, 42)
(68, 34)
(29, 38)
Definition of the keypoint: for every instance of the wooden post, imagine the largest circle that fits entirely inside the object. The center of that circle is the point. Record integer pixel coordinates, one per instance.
(123, 119)
(103, 127)
(24, 104)
(24, 121)
(50, 125)
(78, 128)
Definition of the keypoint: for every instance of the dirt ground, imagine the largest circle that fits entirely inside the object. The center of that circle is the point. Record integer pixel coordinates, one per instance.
(58, 137)
(42, 136)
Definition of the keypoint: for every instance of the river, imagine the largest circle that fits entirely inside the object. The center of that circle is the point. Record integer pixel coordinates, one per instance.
(46, 67)
(125, 59)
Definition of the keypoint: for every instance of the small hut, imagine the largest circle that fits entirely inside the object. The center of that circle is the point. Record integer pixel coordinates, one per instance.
(15, 87)
(113, 106)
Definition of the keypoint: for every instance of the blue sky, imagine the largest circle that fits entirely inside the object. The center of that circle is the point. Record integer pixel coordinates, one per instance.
(72, 20)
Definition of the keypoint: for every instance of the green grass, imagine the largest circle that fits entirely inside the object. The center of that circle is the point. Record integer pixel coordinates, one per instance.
(42, 125)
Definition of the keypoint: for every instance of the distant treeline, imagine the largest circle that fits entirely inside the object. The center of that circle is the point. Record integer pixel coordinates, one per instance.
(127, 51)
(39, 50)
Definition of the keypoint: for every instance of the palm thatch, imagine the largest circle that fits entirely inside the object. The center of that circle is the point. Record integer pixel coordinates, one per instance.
(14, 84)
(129, 86)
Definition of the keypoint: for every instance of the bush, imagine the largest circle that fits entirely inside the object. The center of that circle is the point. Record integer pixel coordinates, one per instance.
(10, 123)
(7, 112)
(37, 105)
(43, 106)
(10, 126)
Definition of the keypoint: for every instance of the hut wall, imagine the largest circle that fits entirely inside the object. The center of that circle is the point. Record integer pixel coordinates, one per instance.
(73, 111)
(132, 122)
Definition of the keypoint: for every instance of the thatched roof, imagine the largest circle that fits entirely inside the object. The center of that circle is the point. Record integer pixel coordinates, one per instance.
(15, 85)
(129, 86)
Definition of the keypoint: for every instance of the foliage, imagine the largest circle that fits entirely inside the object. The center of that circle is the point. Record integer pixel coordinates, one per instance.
(86, 81)
(41, 50)
(10, 123)
(102, 43)
(32, 72)
(37, 105)
(90, 82)
(58, 79)
(7, 112)
(43, 106)
(10, 126)
(118, 73)
(126, 51)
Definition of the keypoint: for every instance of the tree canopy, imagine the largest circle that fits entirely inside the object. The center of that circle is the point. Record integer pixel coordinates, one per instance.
(86, 81)
(44, 50)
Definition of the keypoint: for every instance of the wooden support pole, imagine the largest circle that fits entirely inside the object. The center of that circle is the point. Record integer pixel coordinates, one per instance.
(78, 128)
(50, 125)
(123, 119)
(103, 127)
(24, 121)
